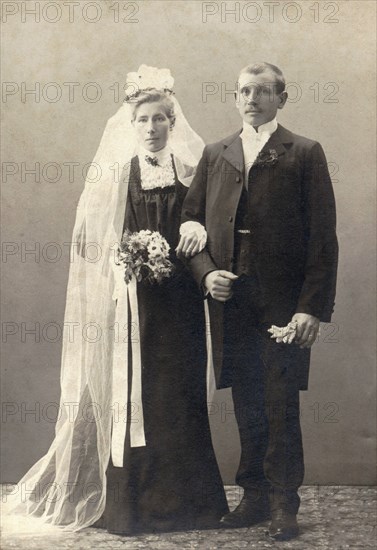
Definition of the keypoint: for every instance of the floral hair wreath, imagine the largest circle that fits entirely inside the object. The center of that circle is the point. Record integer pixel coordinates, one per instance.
(131, 98)
(148, 78)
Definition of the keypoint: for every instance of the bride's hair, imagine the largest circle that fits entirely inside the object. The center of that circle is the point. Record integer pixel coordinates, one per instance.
(152, 95)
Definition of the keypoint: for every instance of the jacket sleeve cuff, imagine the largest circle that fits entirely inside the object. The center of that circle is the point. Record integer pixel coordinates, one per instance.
(324, 316)
(205, 290)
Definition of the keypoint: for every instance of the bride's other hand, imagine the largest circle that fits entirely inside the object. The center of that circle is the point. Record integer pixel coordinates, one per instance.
(193, 239)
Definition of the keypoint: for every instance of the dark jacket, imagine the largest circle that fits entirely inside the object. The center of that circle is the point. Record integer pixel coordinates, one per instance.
(293, 221)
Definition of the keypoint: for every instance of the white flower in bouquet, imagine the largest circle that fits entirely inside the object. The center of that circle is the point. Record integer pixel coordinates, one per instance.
(145, 255)
(157, 247)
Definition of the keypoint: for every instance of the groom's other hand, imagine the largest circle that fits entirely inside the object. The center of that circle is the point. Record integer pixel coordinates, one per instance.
(307, 329)
(219, 284)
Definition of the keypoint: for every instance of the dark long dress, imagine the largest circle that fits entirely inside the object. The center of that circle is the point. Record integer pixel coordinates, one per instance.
(173, 482)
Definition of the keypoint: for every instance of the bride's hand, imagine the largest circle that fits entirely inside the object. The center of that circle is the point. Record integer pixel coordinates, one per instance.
(188, 245)
(193, 239)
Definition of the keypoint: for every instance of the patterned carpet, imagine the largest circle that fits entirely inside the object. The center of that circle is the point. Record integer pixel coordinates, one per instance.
(333, 518)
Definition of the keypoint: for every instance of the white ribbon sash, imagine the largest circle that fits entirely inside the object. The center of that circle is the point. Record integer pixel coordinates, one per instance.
(126, 319)
(211, 382)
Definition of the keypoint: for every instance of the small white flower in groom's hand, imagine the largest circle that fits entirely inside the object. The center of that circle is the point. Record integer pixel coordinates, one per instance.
(285, 335)
(303, 330)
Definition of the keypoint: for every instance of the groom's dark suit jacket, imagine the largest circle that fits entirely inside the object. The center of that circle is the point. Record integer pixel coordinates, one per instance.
(293, 241)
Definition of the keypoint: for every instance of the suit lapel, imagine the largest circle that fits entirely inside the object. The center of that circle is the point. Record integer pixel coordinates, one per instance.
(278, 141)
(233, 152)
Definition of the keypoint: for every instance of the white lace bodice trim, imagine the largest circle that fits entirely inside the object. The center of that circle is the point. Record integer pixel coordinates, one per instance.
(160, 176)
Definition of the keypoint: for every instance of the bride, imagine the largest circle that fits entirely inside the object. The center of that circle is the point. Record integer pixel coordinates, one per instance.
(133, 450)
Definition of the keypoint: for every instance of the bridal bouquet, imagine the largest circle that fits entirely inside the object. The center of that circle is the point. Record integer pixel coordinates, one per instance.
(144, 254)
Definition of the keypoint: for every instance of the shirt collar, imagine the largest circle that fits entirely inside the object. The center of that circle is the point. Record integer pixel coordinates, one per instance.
(249, 132)
(162, 156)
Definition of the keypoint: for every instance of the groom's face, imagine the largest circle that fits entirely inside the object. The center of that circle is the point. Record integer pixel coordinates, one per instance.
(257, 100)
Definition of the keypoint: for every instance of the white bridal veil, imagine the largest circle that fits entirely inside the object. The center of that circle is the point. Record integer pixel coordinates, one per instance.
(67, 487)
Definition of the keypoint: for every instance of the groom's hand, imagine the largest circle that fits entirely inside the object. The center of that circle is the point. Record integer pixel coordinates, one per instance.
(307, 329)
(219, 284)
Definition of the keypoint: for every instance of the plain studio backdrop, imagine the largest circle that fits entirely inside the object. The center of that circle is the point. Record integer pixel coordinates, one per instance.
(75, 56)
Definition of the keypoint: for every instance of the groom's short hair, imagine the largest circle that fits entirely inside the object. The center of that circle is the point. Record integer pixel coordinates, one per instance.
(258, 68)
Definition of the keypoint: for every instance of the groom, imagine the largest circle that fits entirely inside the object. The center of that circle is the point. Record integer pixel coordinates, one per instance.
(265, 197)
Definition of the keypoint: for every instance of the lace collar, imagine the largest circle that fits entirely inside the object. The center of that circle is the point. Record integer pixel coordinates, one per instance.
(159, 175)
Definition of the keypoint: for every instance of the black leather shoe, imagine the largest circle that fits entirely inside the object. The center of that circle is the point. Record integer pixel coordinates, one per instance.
(250, 511)
(283, 526)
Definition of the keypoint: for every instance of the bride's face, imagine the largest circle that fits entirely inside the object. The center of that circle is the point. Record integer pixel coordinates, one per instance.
(152, 126)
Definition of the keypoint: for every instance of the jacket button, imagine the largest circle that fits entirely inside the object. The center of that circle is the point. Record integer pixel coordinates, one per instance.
(230, 218)
(238, 179)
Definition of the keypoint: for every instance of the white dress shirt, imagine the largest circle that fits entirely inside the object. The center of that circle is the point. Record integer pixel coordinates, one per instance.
(253, 142)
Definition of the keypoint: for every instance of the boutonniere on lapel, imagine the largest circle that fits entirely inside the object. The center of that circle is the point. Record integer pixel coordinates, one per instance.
(266, 158)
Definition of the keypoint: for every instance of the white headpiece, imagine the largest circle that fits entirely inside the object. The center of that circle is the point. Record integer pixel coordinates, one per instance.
(67, 487)
(149, 77)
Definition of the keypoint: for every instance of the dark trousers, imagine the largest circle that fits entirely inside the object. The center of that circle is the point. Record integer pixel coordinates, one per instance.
(266, 401)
